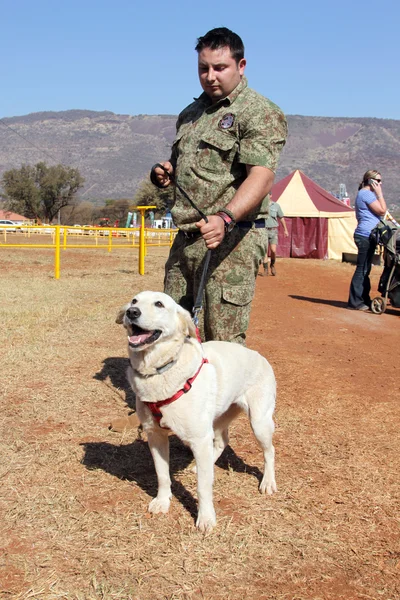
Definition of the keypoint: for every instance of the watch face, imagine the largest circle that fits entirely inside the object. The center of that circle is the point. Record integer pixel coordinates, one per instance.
(228, 221)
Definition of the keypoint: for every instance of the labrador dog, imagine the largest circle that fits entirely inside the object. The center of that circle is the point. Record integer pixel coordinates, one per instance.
(215, 382)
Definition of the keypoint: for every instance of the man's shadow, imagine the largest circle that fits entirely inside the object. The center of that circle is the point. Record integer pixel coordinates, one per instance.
(337, 303)
(133, 462)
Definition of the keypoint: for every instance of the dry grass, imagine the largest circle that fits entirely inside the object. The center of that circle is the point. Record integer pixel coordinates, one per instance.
(73, 495)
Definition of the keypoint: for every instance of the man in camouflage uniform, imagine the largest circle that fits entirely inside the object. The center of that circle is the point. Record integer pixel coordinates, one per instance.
(224, 157)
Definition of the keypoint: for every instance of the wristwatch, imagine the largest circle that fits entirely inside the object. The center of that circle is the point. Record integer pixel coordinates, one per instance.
(228, 219)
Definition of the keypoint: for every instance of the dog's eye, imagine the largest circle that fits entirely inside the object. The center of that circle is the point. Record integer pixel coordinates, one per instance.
(159, 304)
(134, 301)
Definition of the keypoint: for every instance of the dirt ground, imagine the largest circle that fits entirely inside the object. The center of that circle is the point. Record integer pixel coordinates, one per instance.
(74, 495)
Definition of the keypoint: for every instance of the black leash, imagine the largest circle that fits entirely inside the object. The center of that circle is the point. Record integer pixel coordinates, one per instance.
(198, 305)
(182, 191)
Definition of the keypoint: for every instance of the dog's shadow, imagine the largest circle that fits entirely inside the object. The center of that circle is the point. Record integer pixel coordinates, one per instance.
(230, 461)
(114, 368)
(133, 462)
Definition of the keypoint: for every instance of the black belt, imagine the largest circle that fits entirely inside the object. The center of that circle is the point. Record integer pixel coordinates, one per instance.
(241, 224)
(249, 224)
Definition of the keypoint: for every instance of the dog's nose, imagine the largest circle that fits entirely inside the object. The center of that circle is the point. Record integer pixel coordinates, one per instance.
(133, 312)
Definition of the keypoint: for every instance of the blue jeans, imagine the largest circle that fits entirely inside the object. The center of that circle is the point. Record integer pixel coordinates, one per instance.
(360, 286)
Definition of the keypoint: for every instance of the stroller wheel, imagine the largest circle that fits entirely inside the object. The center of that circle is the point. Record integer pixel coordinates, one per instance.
(378, 305)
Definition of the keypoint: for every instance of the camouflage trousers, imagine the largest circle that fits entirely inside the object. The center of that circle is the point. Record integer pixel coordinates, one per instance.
(230, 281)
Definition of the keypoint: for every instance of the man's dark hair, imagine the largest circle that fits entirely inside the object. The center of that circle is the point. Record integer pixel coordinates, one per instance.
(221, 37)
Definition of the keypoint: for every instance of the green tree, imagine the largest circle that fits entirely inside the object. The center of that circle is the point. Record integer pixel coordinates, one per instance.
(41, 191)
(22, 191)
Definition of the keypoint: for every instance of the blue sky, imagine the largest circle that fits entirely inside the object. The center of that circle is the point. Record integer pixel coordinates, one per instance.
(313, 58)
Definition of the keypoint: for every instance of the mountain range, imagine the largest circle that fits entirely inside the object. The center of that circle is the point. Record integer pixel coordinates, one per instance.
(115, 152)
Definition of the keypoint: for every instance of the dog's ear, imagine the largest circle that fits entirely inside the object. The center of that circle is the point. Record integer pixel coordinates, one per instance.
(121, 314)
(188, 328)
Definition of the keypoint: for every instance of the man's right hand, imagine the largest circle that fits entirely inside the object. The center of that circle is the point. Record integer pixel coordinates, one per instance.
(212, 232)
(162, 177)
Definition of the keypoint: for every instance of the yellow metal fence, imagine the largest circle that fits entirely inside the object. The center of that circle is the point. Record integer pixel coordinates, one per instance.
(63, 237)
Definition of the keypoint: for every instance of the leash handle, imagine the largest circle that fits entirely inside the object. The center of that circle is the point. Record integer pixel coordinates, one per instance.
(182, 191)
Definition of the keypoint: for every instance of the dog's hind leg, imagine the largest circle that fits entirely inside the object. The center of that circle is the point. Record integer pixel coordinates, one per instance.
(203, 453)
(263, 427)
(159, 448)
(221, 426)
(221, 434)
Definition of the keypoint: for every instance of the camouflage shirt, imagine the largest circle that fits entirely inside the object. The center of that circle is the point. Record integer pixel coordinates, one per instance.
(213, 145)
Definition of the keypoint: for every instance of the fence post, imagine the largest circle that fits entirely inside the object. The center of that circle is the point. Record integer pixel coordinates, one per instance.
(142, 246)
(57, 252)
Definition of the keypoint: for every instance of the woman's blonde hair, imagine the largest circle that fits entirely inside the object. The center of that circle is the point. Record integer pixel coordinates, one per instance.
(367, 176)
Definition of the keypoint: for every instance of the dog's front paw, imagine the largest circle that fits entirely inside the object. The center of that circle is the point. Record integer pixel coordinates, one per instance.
(206, 522)
(268, 487)
(159, 505)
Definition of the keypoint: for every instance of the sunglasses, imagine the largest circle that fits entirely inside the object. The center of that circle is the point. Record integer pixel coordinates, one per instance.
(378, 180)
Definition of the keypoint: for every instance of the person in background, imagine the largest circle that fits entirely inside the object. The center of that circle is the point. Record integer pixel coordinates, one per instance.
(370, 208)
(272, 225)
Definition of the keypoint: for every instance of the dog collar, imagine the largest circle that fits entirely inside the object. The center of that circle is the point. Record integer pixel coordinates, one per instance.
(165, 367)
(155, 406)
(158, 370)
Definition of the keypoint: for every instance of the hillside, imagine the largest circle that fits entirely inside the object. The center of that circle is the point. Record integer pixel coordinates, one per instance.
(115, 152)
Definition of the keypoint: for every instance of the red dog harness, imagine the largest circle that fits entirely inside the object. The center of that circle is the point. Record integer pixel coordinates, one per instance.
(155, 406)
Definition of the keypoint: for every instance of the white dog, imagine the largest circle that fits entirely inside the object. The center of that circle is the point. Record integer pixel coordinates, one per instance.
(221, 380)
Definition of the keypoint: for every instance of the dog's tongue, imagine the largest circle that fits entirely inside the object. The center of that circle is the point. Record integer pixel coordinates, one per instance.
(139, 339)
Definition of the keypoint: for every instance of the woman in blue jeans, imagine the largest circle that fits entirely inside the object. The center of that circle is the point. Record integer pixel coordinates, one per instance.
(370, 207)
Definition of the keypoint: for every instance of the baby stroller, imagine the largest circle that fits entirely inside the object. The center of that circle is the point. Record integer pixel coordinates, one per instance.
(388, 235)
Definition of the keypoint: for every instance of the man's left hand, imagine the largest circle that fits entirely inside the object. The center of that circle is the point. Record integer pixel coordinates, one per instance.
(212, 232)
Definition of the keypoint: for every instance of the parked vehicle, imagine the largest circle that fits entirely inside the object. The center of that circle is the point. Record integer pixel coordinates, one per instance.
(4, 222)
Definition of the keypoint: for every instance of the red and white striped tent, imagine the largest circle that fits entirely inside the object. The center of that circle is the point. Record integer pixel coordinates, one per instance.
(319, 225)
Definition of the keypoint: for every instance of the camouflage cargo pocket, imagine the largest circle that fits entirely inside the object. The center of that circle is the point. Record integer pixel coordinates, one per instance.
(239, 295)
(228, 320)
(215, 150)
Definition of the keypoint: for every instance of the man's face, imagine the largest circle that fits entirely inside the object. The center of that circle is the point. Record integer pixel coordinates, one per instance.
(219, 73)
